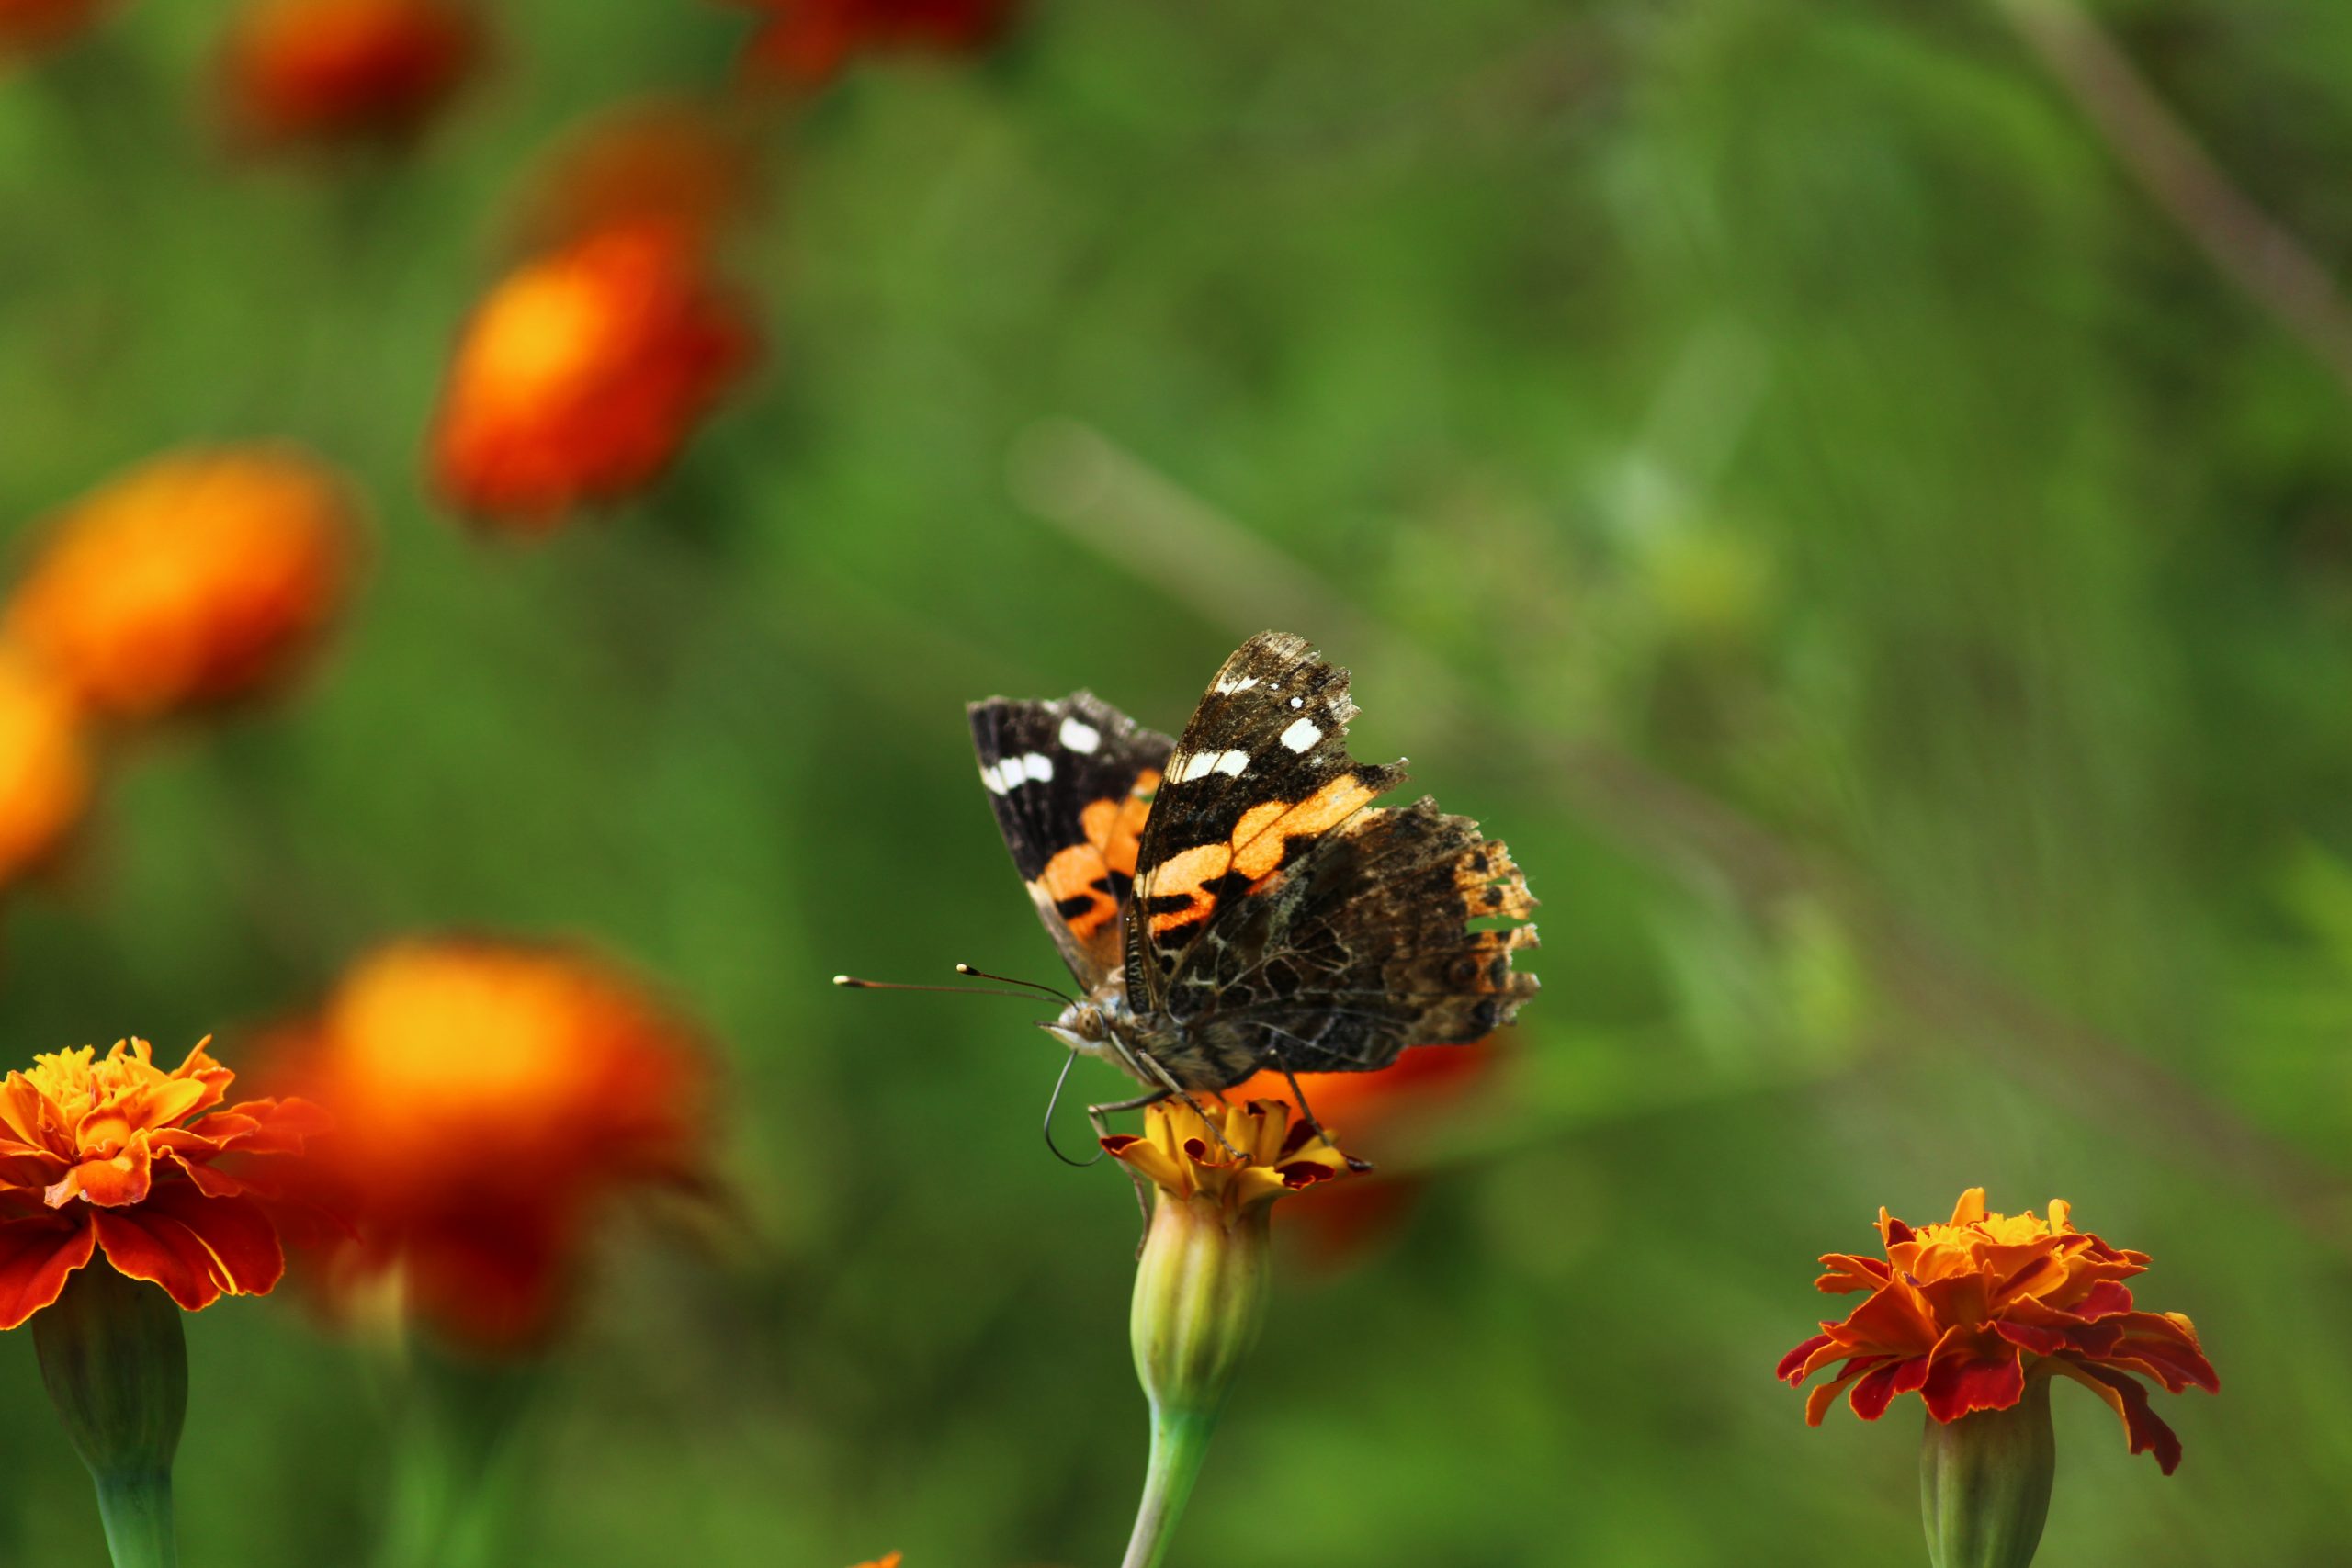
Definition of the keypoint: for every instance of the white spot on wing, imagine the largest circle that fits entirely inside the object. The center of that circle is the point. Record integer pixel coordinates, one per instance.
(1302, 736)
(993, 776)
(1201, 764)
(1226, 688)
(1296, 701)
(1039, 767)
(1010, 774)
(1080, 736)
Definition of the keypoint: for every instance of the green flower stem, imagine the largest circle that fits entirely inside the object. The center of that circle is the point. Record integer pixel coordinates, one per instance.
(1200, 1301)
(454, 1484)
(114, 1361)
(136, 1511)
(1984, 1482)
(1179, 1444)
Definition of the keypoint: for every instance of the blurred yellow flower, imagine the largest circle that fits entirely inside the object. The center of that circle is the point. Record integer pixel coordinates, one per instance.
(196, 577)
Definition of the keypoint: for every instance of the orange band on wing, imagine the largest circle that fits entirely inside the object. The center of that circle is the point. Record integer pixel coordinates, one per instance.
(1261, 841)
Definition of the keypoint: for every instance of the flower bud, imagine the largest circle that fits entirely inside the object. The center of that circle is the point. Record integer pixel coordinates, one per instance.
(114, 1361)
(1984, 1482)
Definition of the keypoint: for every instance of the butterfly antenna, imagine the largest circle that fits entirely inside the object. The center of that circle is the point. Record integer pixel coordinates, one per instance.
(850, 982)
(1050, 1105)
(1009, 980)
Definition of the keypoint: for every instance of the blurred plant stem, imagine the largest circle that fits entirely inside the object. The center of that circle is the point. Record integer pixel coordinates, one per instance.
(114, 1361)
(2268, 262)
(453, 1482)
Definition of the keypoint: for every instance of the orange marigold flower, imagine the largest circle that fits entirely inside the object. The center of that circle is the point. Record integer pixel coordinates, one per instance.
(1965, 1313)
(490, 1098)
(114, 1152)
(805, 42)
(583, 373)
(195, 577)
(889, 1562)
(44, 765)
(29, 25)
(346, 70)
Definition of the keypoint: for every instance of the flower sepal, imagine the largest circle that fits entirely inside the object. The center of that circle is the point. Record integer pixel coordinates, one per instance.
(114, 1361)
(1984, 1482)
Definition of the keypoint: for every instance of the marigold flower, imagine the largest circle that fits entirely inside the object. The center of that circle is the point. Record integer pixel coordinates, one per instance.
(583, 373)
(111, 1153)
(490, 1098)
(804, 43)
(44, 765)
(27, 27)
(1966, 1312)
(889, 1562)
(329, 71)
(195, 577)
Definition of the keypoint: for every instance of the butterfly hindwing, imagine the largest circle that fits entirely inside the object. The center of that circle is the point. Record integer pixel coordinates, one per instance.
(1072, 784)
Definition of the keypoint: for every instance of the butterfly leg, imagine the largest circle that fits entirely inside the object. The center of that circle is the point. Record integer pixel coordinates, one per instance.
(1099, 1117)
(1172, 1089)
(1358, 1166)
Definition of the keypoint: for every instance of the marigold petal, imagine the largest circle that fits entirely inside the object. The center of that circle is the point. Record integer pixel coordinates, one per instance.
(2105, 1299)
(36, 1257)
(1846, 1273)
(110, 1183)
(1796, 1366)
(198, 1249)
(1969, 1210)
(2143, 1427)
(1874, 1393)
(1817, 1403)
(1970, 1370)
(2165, 1350)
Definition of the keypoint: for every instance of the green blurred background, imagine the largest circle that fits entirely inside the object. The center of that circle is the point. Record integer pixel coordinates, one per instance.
(1764, 457)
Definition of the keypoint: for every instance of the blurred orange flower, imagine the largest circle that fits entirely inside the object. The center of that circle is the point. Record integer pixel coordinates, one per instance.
(346, 70)
(805, 42)
(583, 373)
(28, 25)
(1413, 1089)
(889, 1562)
(490, 1098)
(44, 765)
(196, 577)
(1965, 1313)
(113, 1153)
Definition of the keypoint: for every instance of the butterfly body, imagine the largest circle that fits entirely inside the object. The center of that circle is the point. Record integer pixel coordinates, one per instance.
(1233, 901)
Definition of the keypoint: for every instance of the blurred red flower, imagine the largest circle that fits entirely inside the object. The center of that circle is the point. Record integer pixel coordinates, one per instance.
(28, 27)
(114, 1154)
(45, 774)
(1370, 1108)
(491, 1097)
(196, 577)
(583, 373)
(804, 43)
(1964, 1312)
(328, 70)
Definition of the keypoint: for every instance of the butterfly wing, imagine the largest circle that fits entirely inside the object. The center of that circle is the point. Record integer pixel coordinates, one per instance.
(1071, 782)
(1279, 919)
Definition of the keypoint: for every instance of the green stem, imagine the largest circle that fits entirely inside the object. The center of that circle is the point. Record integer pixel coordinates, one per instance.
(1179, 1444)
(136, 1511)
(1984, 1482)
(453, 1489)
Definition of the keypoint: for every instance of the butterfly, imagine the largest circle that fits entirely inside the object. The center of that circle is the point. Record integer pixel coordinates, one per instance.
(1232, 901)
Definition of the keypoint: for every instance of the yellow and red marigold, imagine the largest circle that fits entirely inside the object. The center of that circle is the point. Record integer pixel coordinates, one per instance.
(1238, 1158)
(327, 71)
(195, 577)
(113, 1153)
(804, 43)
(583, 373)
(490, 1098)
(1965, 1313)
